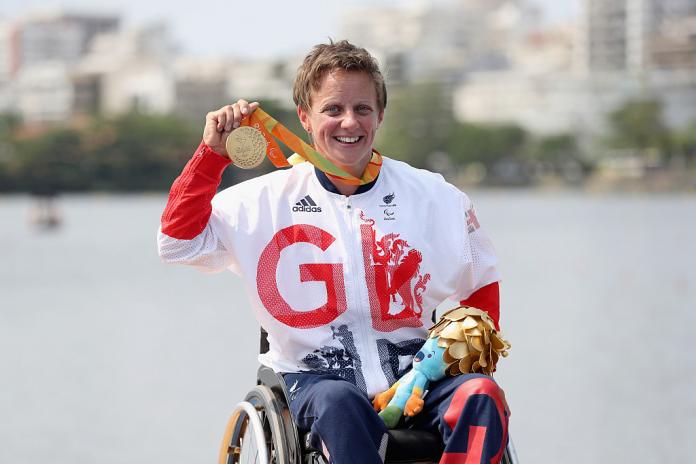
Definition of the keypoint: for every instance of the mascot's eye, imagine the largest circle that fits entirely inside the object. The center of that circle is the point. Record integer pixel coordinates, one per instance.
(430, 355)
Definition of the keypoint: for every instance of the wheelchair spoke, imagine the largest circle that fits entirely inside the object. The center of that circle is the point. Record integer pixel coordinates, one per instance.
(258, 436)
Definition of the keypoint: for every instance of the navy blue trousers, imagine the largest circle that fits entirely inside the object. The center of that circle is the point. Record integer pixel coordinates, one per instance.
(469, 411)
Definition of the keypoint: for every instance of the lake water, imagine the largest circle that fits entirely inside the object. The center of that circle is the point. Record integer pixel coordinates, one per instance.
(109, 356)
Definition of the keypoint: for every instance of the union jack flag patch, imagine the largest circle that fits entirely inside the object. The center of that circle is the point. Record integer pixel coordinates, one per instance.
(471, 221)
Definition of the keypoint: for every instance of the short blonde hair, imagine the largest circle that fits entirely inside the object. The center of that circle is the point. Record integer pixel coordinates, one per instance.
(325, 58)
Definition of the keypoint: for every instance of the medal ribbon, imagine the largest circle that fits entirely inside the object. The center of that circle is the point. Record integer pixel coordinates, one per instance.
(270, 128)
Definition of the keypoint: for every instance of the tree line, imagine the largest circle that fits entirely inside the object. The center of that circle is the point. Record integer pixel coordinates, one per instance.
(136, 152)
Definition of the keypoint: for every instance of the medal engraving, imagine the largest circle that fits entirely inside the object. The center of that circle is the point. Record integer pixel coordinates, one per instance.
(246, 147)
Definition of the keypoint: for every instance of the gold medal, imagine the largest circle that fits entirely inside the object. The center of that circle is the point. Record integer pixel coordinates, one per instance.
(246, 147)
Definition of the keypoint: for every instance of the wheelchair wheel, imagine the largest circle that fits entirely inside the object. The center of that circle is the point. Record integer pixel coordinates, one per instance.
(510, 454)
(255, 431)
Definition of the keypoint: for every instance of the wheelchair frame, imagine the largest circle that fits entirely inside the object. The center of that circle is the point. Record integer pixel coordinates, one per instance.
(263, 418)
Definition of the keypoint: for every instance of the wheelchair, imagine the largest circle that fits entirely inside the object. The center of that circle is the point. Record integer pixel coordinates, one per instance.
(261, 431)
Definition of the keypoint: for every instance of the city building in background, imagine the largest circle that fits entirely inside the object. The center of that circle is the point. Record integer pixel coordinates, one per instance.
(497, 61)
(262, 80)
(58, 66)
(634, 35)
(62, 37)
(44, 92)
(200, 85)
(441, 42)
(619, 50)
(8, 62)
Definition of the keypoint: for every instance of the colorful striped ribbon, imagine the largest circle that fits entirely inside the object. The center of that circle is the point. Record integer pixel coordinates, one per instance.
(269, 127)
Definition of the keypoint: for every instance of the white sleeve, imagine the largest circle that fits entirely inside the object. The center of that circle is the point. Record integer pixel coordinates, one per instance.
(206, 251)
(479, 260)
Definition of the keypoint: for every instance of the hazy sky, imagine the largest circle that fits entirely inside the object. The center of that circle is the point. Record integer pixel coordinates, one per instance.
(232, 27)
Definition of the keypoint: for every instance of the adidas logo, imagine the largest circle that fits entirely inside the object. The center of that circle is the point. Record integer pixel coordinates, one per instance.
(306, 204)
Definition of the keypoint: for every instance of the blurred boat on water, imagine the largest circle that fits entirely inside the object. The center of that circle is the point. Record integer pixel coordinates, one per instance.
(45, 214)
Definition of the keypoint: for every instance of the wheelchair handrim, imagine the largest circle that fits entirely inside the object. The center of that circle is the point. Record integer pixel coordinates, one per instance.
(236, 419)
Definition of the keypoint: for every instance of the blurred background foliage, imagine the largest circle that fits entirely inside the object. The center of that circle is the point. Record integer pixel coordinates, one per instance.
(137, 152)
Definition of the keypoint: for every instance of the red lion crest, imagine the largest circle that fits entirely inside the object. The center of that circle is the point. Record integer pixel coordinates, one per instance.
(398, 283)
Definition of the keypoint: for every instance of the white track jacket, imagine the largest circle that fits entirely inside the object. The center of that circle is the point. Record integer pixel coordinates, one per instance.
(343, 285)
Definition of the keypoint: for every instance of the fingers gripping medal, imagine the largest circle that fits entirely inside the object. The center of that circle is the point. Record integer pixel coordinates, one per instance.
(246, 147)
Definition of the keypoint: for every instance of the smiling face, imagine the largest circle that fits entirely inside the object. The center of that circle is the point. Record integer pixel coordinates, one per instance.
(343, 119)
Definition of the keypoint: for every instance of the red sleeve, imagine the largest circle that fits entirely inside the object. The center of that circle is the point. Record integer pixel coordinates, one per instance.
(488, 299)
(188, 208)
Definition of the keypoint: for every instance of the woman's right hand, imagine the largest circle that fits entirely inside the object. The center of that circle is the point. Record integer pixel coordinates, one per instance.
(219, 124)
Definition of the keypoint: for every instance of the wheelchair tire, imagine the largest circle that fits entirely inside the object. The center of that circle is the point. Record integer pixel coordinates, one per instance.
(259, 410)
(510, 454)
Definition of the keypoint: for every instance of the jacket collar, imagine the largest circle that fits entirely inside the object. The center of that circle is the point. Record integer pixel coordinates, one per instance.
(329, 186)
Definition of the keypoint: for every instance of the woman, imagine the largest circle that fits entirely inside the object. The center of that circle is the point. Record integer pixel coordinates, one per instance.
(344, 277)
